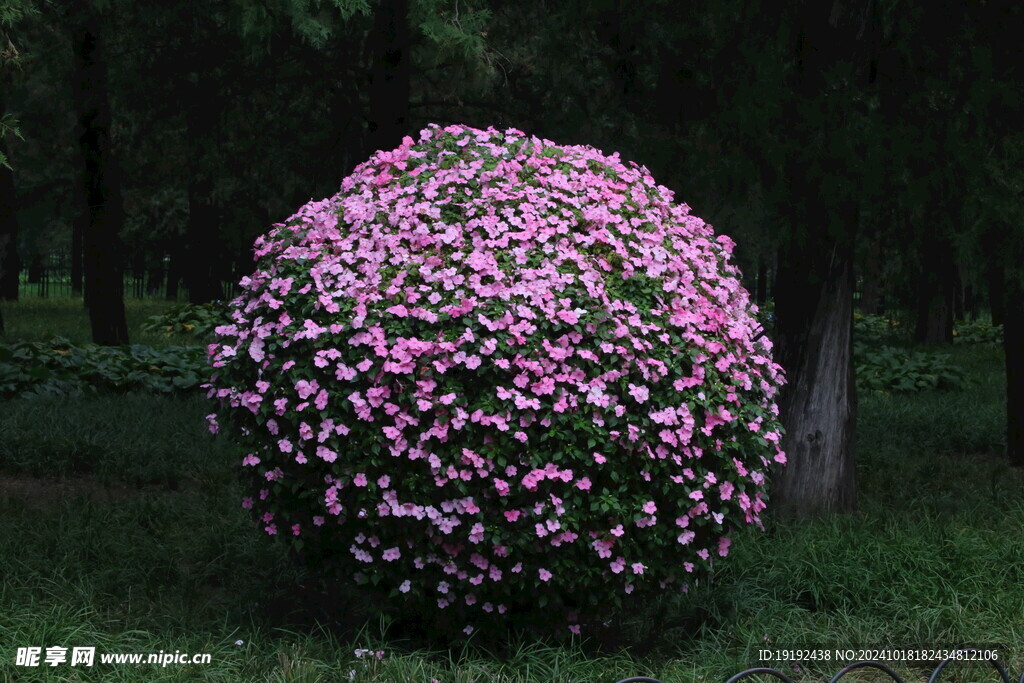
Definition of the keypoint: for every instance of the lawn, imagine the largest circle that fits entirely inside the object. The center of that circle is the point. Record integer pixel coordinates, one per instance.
(123, 532)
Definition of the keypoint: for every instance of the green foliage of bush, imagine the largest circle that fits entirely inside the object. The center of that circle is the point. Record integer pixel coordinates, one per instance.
(875, 328)
(977, 332)
(888, 368)
(198, 320)
(58, 367)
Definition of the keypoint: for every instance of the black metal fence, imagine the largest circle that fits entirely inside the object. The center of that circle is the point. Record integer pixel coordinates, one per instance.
(50, 275)
(759, 673)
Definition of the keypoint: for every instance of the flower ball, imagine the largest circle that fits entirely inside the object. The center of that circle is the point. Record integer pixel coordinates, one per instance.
(495, 375)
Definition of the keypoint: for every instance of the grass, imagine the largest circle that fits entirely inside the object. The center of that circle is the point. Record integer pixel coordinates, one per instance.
(41, 319)
(123, 531)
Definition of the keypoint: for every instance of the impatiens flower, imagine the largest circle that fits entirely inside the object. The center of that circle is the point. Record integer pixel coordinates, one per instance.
(641, 394)
(488, 355)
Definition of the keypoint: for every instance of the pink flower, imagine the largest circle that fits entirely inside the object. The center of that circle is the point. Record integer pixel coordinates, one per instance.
(650, 508)
(544, 574)
(359, 479)
(600, 459)
(641, 394)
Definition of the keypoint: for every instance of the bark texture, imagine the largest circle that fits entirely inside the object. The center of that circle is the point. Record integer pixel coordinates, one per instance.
(814, 310)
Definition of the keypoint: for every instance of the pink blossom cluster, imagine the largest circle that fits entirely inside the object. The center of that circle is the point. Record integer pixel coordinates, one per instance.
(492, 368)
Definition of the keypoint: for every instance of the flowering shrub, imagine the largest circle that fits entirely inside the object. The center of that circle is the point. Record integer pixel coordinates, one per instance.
(497, 374)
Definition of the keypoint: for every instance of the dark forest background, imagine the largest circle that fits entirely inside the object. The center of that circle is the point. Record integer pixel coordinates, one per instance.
(866, 155)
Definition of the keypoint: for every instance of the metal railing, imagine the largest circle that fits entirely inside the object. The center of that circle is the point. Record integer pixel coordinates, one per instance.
(50, 276)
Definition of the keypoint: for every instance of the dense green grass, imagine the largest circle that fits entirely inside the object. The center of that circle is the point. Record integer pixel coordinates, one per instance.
(41, 319)
(122, 530)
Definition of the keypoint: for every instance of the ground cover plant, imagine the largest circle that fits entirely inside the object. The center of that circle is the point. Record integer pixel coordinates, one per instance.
(977, 332)
(58, 367)
(102, 548)
(891, 368)
(498, 375)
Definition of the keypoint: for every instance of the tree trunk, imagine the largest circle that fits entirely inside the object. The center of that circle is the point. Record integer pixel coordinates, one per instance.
(996, 295)
(36, 268)
(936, 293)
(101, 240)
(10, 265)
(173, 273)
(814, 273)
(389, 80)
(1013, 347)
(76, 256)
(154, 277)
(970, 303)
(871, 295)
(202, 232)
(814, 326)
(761, 294)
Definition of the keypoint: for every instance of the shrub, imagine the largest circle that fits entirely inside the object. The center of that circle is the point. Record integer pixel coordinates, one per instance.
(889, 368)
(493, 374)
(197, 320)
(875, 329)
